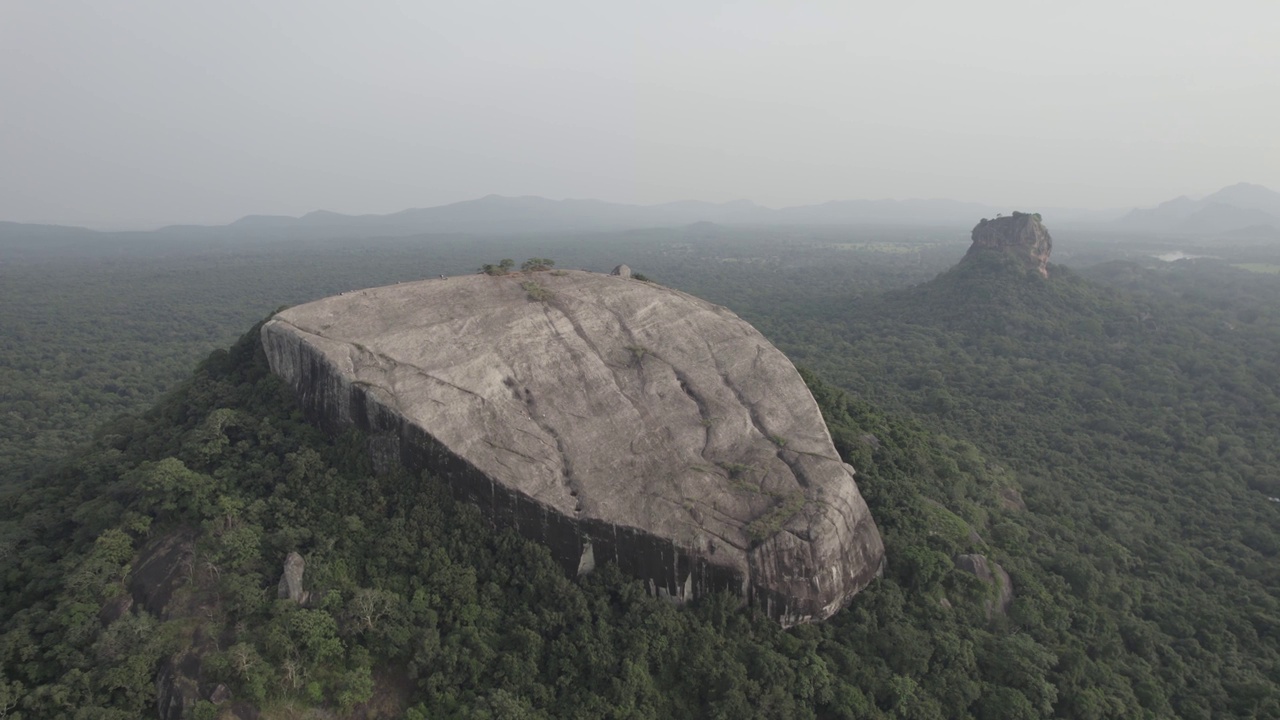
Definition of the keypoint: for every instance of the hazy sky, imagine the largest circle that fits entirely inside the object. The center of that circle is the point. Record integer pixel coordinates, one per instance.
(121, 113)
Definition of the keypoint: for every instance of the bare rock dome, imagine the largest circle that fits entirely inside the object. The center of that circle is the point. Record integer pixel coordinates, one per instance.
(613, 420)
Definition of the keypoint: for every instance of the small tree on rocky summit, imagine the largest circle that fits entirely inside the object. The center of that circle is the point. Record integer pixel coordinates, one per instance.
(502, 268)
(537, 264)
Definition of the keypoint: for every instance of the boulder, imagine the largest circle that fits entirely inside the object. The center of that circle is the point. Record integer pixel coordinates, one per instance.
(993, 575)
(1011, 499)
(291, 580)
(115, 609)
(220, 694)
(622, 271)
(614, 421)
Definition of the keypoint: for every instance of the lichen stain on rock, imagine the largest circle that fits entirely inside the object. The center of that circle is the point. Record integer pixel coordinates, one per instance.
(604, 416)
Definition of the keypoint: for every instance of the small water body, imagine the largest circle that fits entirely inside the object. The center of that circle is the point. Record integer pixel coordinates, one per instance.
(1177, 255)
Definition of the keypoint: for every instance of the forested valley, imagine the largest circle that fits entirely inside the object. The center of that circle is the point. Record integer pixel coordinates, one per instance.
(1109, 436)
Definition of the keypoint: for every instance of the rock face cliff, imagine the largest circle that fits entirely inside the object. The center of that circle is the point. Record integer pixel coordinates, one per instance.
(1021, 235)
(612, 419)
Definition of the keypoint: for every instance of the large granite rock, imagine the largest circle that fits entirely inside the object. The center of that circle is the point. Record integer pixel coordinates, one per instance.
(609, 418)
(1021, 235)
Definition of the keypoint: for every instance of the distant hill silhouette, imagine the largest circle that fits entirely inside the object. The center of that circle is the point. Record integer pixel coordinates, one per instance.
(496, 214)
(1232, 208)
(501, 215)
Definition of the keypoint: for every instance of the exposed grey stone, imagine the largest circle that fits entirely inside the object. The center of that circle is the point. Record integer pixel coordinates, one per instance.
(659, 428)
(220, 694)
(622, 271)
(974, 565)
(178, 685)
(291, 580)
(587, 562)
(163, 566)
(115, 609)
(992, 574)
(1011, 499)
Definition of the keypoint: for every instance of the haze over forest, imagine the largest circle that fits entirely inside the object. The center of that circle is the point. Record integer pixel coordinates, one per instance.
(137, 114)
(795, 410)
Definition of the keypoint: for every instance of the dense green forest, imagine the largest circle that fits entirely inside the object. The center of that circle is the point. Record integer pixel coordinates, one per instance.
(1108, 436)
(96, 330)
(421, 599)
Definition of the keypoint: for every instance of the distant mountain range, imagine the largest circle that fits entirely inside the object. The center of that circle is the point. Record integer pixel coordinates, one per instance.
(495, 214)
(1242, 210)
(499, 215)
(1238, 210)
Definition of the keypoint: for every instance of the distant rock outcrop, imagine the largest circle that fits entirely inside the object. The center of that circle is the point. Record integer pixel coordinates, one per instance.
(1021, 235)
(615, 421)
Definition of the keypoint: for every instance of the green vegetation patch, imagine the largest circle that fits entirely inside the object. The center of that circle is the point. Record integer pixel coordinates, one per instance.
(638, 353)
(537, 292)
(503, 267)
(946, 524)
(770, 523)
(537, 264)
(742, 477)
(1137, 410)
(879, 247)
(1266, 268)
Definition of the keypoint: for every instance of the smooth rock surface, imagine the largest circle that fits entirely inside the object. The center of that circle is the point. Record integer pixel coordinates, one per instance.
(612, 419)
